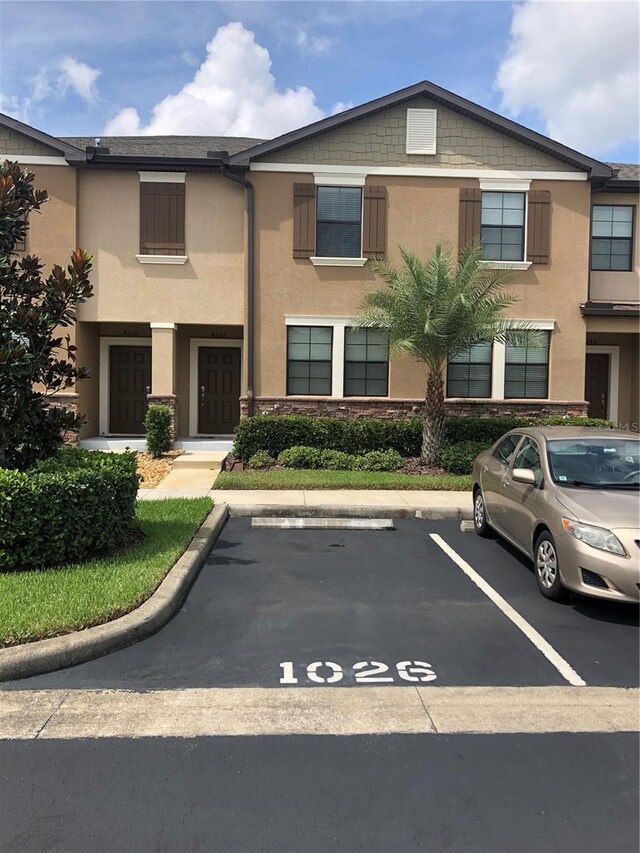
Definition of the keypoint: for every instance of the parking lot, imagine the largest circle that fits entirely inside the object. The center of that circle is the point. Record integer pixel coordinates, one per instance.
(343, 608)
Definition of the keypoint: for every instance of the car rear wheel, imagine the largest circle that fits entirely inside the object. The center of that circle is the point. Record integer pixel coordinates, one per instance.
(547, 568)
(480, 515)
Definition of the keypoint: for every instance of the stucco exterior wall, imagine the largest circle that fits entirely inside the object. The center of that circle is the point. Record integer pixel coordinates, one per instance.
(209, 287)
(420, 213)
(619, 286)
(628, 384)
(380, 139)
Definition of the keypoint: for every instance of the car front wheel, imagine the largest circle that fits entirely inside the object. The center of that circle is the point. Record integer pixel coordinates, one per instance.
(547, 568)
(480, 515)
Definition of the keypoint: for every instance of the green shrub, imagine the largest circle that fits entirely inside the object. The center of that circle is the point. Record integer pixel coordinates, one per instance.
(66, 509)
(157, 424)
(261, 459)
(458, 458)
(300, 457)
(380, 460)
(275, 433)
(336, 460)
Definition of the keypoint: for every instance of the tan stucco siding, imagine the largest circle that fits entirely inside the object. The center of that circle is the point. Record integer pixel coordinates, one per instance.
(628, 364)
(209, 287)
(421, 212)
(380, 140)
(619, 286)
(12, 142)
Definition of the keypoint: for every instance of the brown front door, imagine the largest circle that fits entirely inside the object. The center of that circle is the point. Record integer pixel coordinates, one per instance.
(597, 384)
(218, 390)
(129, 384)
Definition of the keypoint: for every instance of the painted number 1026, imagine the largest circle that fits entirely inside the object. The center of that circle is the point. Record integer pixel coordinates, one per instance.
(364, 672)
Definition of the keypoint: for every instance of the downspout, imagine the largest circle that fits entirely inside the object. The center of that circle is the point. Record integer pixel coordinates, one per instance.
(231, 176)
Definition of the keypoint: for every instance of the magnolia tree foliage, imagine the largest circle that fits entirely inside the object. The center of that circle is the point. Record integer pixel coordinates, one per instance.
(435, 310)
(37, 358)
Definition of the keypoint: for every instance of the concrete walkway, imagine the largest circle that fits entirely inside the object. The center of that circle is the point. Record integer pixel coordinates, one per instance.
(192, 475)
(434, 504)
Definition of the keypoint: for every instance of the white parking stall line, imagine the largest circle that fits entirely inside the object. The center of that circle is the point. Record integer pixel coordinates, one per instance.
(564, 668)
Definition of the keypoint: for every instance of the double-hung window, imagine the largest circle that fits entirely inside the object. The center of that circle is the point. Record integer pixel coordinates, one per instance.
(611, 237)
(502, 226)
(469, 372)
(526, 370)
(366, 363)
(339, 222)
(309, 360)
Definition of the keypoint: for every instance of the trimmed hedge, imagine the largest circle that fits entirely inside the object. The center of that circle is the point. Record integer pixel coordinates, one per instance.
(275, 433)
(261, 459)
(157, 424)
(458, 458)
(66, 509)
(336, 460)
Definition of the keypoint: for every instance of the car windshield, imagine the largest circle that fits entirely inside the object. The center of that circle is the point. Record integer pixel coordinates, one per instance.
(602, 463)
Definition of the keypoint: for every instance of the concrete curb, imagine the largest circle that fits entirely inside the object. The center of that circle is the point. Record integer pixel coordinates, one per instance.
(336, 511)
(80, 646)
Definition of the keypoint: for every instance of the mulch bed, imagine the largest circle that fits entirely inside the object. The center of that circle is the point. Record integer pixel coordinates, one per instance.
(152, 471)
(412, 465)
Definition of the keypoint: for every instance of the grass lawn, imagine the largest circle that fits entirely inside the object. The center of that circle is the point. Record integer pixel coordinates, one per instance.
(309, 479)
(39, 604)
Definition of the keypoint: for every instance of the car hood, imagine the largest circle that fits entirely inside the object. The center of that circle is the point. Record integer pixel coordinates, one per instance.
(606, 508)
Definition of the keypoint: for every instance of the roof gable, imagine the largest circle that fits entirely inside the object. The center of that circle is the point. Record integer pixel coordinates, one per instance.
(19, 138)
(439, 98)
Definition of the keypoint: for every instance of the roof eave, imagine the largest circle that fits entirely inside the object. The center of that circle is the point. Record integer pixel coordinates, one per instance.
(163, 164)
(70, 153)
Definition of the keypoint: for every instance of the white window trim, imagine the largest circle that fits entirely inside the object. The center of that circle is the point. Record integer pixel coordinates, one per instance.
(194, 346)
(339, 262)
(339, 179)
(162, 177)
(105, 379)
(162, 259)
(338, 324)
(513, 187)
(614, 377)
(499, 358)
(505, 185)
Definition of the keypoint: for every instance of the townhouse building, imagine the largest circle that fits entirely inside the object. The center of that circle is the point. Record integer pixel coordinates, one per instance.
(227, 271)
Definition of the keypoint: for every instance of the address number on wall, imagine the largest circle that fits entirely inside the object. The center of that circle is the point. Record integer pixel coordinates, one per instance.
(362, 672)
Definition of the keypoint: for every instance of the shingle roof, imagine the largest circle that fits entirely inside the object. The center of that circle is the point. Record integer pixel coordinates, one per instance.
(165, 146)
(626, 171)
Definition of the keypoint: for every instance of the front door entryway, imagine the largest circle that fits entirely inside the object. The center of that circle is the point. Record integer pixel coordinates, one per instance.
(597, 384)
(129, 384)
(218, 390)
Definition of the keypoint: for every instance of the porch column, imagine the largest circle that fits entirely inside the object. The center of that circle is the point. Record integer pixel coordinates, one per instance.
(163, 370)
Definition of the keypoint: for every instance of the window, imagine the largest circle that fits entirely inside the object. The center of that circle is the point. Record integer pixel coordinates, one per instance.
(505, 449)
(161, 218)
(366, 363)
(502, 226)
(469, 372)
(526, 370)
(309, 359)
(338, 222)
(529, 457)
(611, 233)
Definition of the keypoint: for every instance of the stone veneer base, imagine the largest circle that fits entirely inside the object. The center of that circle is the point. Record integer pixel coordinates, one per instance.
(397, 409)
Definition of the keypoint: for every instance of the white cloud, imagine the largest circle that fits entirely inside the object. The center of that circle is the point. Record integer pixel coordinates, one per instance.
(576, 65)
(232, 93)
(341, 106)
(318, 45)
(79, 77)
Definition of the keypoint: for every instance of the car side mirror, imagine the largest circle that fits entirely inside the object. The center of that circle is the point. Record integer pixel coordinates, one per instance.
(524, 475)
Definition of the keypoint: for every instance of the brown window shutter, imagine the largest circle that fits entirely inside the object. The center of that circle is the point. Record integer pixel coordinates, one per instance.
(161, 219)
(374, 223)
(470, 214)
(304, 220)
(539, 226)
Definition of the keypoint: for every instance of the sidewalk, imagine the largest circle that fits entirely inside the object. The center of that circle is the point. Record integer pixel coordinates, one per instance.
(433, 504)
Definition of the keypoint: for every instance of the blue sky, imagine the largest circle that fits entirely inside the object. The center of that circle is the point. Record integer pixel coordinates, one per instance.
(87, 68)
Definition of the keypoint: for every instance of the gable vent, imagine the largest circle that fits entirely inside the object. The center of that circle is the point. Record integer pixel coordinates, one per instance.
(421, 131)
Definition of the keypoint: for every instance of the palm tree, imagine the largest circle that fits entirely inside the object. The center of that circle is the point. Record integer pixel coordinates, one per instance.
(435, 310)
